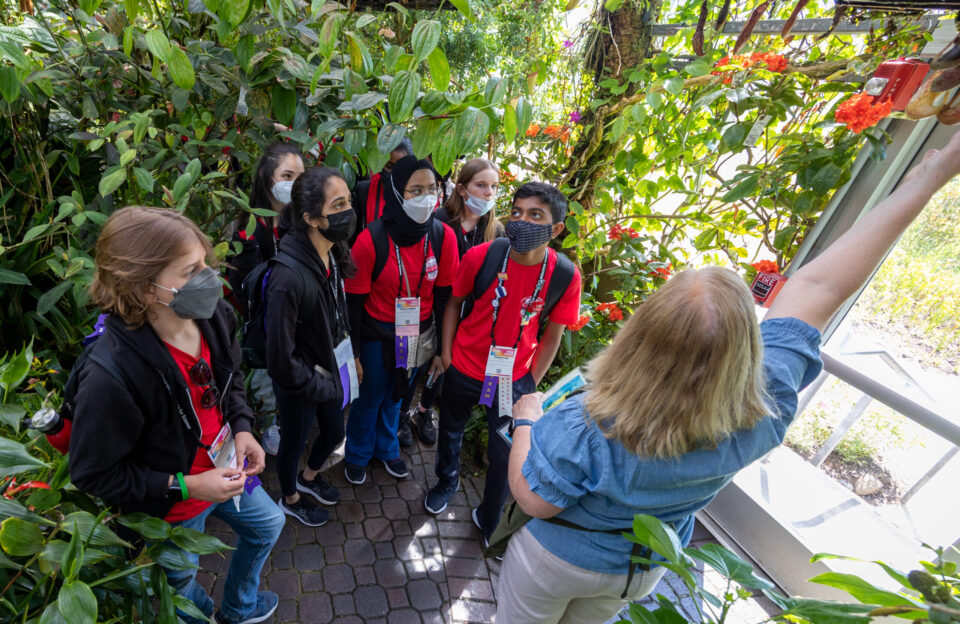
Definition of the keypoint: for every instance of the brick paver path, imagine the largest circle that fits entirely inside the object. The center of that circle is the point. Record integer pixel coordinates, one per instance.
(383, 559)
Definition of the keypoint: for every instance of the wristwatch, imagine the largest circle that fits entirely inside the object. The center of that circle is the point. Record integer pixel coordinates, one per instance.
(520, 422)
(174, 491)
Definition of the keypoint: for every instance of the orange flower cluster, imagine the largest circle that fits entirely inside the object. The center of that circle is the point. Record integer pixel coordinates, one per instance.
(859, 112)
(618, 232)
(557, 132)
(506, 176)
(774, 62)
(766, 266)
(611, 310)
(664, 272)
(533, 130)
(581, 322)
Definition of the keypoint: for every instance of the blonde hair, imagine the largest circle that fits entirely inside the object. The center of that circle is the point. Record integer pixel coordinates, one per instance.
(686, 369)
(135, 245)
(455, 205)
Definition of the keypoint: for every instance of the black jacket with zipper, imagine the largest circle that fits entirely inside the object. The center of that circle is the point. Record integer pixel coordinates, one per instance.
(259, 248)
(296, 345)
(128, 439)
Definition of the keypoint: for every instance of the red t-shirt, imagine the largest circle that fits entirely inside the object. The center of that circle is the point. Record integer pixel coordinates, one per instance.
(383, 293)
(211, 420)
(472, 343)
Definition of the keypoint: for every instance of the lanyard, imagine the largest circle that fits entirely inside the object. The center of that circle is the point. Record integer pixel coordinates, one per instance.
(403, 276)
(500, 292)
(337, 288)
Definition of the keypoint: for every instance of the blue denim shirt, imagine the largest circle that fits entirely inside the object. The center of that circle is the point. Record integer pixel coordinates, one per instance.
(602, 485)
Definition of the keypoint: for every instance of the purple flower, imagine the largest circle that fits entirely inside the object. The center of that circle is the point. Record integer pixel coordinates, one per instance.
(567, 43)
(575, 117)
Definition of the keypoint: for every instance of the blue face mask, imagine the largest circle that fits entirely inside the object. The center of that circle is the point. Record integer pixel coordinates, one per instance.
(197, 299)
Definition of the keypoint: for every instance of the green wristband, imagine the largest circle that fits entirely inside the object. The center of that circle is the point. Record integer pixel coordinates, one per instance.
(183, 486)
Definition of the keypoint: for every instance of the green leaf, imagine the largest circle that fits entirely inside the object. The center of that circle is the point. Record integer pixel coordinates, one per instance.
(472, 127)
(11, 415)
(612, 5)
(36, 231)
(181, 186)
(353, 84)
(86, 523)
(784, 237)
(19, 538)
(9, 83)
(112, 181)
(389, 137)
(144, 179)
(158, 44)
(892, 572)
(860, 589)
(654, 101)
(747, 187)
(659, 537)
(14, 457)
(729, 565)
(360, 59)
(128, 40)
(363, 101)
(71, 561)
(131, 8)
(148, 526)
(52, 615)
(705, 239)
(524, 115)
(733, 136)
(826, 178)
(15, 509)
(196, 542)
(244, 51)
(329, 33)
(495, 90)
(284, 105)
(674, 86)
(699, 67)
(50, 298)
(464, 7)
(77, 599)
(403, 95)
(446, 150)
(234, 12)
(509, 123)
(426, 35)
(13, 277)
(425, 137)
(439, 69)
(180, 68)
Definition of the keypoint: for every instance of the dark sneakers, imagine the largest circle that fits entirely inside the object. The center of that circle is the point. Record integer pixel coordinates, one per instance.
(355, 474)
(404, 434)
(396, 467)
(476, 523)
(310, 515)
(426, 429)
(267, 602)
(319, 489)
(439, 495)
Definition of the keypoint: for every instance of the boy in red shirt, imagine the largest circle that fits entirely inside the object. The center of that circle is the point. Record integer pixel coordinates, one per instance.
(508, 315)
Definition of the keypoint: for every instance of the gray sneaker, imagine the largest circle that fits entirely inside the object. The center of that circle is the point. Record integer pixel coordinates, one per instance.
(310, 515)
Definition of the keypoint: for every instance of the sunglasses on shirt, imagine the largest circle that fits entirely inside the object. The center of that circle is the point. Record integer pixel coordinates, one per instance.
(202, 375)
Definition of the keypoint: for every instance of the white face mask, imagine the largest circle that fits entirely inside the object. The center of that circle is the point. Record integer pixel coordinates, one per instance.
(479, 206)
(281, 191)
(420, 208)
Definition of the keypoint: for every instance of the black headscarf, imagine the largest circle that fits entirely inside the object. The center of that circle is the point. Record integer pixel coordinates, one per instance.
(402, 229)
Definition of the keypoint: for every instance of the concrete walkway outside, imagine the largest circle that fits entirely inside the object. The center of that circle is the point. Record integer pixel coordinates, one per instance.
(383, 559)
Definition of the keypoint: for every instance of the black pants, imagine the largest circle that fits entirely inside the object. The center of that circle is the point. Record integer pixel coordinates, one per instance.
(429, 395)
(296, 415)
(460, 394)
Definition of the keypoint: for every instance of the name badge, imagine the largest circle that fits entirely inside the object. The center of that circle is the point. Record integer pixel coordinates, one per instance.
(498, 376)
(407, 330)
(347, 366)
(223, 453)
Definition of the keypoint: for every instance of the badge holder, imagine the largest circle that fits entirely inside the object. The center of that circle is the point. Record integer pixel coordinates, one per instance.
(407, 328)
(499, 376)
(223, 454)
(347, 365)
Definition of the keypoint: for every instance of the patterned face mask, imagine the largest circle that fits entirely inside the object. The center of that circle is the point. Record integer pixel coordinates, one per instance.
(525, 236)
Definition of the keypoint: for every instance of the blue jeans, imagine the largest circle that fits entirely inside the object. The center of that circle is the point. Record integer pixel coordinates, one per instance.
(258, 525)
(460, 394)
(375, 415)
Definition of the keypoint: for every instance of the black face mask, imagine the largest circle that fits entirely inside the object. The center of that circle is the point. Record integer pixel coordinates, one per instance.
(340, 226)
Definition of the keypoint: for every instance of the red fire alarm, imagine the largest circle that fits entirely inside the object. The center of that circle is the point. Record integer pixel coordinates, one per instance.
(766, 286)
(896, 81)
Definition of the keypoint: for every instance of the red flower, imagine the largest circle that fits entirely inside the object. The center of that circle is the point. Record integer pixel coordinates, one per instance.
(859, 112)
(774, 62)
(663, 272)
(766, 266)
(618, 232)
(611, 310)
(581, 321)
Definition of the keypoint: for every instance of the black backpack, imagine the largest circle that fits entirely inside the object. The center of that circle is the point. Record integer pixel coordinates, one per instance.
(563, 273)
(381, 244)
(90, 353)
(253, 298)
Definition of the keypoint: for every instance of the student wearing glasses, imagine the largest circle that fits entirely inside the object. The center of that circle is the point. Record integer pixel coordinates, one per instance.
(146, 444)
(406, 263)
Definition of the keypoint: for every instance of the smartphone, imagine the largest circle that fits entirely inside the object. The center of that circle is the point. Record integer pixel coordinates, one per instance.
(430, 380)
(504, 432)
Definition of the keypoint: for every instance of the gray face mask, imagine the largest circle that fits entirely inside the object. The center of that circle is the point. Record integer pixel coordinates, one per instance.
(197, 299)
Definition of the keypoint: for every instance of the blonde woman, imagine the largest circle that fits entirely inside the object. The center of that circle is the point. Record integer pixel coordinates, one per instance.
(692, 390)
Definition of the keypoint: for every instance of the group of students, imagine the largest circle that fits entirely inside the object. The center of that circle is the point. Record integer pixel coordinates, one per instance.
(691, 390)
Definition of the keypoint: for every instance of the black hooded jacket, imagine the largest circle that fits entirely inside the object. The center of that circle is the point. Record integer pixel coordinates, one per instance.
(259, 248)
(127, 439)
(296, 345)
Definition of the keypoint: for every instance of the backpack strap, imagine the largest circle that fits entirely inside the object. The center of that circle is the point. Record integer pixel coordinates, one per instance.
(110, 365)
(563, 272)
(489, 268)
(306, 278)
